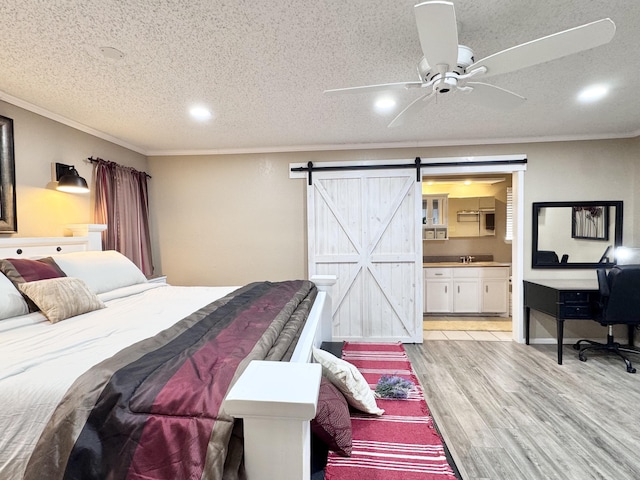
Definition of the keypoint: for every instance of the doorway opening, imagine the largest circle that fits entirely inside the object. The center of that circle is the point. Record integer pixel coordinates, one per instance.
(477, 216)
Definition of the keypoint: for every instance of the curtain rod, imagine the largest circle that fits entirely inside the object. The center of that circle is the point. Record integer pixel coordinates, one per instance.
(97, 159)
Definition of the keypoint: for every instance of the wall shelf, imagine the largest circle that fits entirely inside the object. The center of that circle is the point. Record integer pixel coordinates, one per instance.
(468, 216)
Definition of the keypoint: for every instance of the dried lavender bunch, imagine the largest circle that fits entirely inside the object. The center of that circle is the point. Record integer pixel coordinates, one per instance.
(392, 386)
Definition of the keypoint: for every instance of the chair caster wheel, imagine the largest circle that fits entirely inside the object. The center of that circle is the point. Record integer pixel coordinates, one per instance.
(582, 358)
(631, 370)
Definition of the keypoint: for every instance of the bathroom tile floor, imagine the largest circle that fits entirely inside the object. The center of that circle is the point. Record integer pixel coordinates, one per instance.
(485, 329)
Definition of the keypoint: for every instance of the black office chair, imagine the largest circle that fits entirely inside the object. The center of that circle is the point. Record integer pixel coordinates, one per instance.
(619, 304)
(548, 257)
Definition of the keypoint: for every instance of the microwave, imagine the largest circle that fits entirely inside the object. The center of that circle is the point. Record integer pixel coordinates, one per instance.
(487, 223)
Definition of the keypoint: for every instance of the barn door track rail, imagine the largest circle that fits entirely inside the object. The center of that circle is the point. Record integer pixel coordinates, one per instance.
(417, 164)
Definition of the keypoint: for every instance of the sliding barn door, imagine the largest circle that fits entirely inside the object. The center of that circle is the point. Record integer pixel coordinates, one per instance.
(364, 227)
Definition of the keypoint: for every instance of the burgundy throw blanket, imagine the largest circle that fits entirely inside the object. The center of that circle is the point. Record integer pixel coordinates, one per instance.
(154, 410)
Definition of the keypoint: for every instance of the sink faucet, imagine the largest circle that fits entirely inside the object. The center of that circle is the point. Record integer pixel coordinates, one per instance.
(467, 259)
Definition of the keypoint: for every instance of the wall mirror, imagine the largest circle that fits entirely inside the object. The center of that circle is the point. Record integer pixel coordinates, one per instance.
(8, 223)
(576, 234)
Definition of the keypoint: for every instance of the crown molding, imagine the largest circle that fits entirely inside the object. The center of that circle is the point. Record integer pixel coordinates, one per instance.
(18, 102)
(304, 148)
(390, 145)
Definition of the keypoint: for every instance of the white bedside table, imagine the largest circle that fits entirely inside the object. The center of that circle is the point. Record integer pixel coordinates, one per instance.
(157, 279)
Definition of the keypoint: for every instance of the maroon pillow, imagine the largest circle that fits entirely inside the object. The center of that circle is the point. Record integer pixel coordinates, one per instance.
(332, 424)
(21, 270)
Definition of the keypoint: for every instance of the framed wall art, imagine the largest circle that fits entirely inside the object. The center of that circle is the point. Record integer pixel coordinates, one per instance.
(590, 222)
(8, 221)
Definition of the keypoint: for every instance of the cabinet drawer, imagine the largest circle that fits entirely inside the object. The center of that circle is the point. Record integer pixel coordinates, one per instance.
(576, 311)
(466, 272)
(576, 298)
(495, 272)
(437, 272)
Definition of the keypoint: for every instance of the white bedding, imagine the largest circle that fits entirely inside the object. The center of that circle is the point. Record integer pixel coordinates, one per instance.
(36, 352)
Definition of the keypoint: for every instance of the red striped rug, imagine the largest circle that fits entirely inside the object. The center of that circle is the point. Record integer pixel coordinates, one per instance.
(402, 444)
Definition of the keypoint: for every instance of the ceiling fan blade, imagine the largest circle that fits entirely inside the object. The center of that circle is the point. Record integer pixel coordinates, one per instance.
(411, 110)
(438, 33)
(492, 96)
(375, 88)
(548, 48)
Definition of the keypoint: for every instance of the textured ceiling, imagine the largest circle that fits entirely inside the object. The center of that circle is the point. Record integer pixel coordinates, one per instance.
(261, 67)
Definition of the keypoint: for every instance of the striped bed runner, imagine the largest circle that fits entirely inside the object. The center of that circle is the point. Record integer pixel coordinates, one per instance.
(402, 444)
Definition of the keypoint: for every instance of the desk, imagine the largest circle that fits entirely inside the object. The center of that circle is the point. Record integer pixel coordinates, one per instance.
(562, 299)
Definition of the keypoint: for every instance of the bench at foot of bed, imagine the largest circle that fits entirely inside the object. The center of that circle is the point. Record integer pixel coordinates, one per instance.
(276, 400)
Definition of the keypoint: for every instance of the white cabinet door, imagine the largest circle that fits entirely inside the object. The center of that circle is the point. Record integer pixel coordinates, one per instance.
(438, 296)
(495, 296)
(424, 291)
(495, 290)
(434, 217)
(465, 296)
(434, 210)
(466, 290)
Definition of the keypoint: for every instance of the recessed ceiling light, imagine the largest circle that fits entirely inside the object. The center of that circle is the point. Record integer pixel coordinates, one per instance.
(385, 104)
(593, 93)
(200, 113)
(111, 53)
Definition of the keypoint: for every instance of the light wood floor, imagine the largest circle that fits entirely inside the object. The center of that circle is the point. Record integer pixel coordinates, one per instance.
(508, 411)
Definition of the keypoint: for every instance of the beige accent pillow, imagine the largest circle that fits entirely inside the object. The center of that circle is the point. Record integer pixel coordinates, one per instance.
(60, 298)
(349, 381)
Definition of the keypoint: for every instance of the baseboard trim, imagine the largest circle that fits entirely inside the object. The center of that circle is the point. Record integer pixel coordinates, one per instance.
(565, 341)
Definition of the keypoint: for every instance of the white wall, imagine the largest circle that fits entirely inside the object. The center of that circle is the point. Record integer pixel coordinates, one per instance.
(232, 219)
(38, 141)
(247, 218)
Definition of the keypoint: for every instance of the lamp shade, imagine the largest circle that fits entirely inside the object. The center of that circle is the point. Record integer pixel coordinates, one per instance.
(69, 180)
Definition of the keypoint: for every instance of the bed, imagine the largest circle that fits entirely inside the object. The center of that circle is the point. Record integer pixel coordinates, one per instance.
(135, 387)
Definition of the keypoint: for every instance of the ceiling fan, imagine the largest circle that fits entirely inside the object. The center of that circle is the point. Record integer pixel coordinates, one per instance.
(447, 67)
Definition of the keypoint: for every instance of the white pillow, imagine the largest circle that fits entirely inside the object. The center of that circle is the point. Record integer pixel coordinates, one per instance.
(12, 303)
(102, 271)
(349, 381)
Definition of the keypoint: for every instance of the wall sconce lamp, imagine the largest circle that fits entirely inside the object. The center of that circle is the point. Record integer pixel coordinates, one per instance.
(69, 180)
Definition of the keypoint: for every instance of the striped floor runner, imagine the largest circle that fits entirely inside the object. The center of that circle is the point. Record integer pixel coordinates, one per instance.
(402, 444)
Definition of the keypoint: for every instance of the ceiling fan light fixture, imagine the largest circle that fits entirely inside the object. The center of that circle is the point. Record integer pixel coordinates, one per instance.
(447, 66)
(465, 58)
(446, 84)
(593, 93)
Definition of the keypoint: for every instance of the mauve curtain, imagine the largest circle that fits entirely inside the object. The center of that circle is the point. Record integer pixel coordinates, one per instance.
(122, 203)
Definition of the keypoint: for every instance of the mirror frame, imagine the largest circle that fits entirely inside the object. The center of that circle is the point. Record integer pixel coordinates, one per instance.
(617, 241)
(8, 218)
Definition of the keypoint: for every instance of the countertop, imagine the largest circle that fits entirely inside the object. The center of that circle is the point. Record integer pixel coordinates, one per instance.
(460, 264)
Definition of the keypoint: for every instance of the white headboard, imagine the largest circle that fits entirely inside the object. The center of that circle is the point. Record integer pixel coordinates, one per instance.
(85, 237)
(41, 246)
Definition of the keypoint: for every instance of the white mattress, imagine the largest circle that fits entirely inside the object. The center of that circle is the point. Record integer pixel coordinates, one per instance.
(39, 361)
